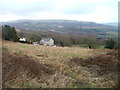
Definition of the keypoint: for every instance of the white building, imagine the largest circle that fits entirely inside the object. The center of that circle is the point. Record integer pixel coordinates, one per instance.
(22, 39)
(35, 43)
(47, 41)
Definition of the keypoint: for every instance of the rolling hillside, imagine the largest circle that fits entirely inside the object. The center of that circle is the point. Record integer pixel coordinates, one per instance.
(65, 26)
(36, 66)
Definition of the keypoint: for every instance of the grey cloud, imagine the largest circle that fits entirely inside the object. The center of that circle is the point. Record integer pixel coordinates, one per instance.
(26, 8)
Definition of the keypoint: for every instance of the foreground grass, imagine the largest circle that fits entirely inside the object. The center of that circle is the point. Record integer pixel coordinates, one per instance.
(65, 73)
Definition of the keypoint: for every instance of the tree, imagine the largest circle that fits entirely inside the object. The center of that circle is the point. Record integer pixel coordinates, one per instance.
(73, 39)
(110, 44)
(91, 41)
(9, 33)
(62, 43)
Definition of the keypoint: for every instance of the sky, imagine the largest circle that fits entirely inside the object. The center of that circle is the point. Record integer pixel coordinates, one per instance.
(100, 11)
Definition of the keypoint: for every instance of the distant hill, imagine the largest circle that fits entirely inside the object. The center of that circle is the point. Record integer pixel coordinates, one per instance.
(65, 26)
(112, 24)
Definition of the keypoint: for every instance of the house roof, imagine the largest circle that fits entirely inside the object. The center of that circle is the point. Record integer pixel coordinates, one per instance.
(46, 39)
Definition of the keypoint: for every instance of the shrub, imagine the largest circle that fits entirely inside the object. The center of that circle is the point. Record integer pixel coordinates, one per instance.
(110, 44)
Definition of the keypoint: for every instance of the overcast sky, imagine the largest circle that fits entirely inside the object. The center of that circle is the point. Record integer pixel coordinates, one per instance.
(99, 11)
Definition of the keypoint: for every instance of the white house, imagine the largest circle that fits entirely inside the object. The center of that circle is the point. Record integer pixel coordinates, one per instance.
(22, 39)
(47, 41)
(35, 43)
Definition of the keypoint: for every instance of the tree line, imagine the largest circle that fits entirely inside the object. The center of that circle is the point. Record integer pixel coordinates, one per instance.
(9, 33)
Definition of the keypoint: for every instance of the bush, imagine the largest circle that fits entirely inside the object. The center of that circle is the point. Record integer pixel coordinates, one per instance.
(110, 44)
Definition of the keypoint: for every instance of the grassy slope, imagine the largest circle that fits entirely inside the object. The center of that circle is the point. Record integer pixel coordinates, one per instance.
(59, 58)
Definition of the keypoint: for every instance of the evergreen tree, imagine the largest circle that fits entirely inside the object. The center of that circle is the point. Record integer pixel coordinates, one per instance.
(110, 44)
(14, 35)
(9, 33)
